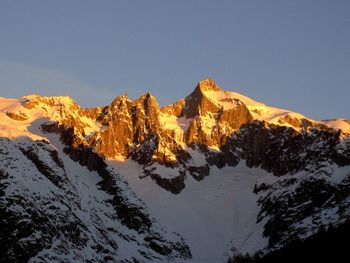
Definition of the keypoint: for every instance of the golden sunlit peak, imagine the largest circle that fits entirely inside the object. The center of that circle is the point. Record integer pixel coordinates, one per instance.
(208, 85)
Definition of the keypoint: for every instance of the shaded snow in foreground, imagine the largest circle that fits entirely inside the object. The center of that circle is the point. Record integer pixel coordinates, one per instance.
(214, 216)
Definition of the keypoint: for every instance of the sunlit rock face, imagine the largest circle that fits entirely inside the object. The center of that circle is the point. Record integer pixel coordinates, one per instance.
(126, 124)
(212, 121)
(197, 103)
(116, 134)
(175, 109)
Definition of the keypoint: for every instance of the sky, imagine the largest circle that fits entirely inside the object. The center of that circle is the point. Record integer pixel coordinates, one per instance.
(289, 54)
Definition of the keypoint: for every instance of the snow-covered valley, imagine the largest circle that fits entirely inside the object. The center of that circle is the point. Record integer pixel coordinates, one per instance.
(215, 216)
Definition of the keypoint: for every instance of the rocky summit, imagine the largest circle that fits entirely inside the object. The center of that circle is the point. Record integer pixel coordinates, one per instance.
(213, 176)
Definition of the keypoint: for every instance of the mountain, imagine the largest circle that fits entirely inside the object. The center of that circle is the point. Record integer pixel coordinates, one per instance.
(213, 175)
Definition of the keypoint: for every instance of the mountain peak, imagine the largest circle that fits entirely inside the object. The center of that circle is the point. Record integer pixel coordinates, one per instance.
(147, 98)
(207, 85)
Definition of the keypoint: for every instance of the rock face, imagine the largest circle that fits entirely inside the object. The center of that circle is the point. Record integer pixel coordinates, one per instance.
(212, 123)
(282, 150)
(126, 124)
(197, 103)
(116, 136)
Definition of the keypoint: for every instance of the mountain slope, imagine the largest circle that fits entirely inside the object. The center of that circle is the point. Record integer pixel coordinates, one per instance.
(55, 209)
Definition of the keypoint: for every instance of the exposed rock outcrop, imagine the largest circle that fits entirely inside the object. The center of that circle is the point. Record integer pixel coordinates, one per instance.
(17, 116)
(212, 122)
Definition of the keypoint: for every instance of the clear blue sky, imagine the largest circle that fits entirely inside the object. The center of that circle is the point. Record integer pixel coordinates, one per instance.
(291, 54)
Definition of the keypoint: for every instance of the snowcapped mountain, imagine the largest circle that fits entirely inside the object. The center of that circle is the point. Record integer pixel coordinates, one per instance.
(213, 175)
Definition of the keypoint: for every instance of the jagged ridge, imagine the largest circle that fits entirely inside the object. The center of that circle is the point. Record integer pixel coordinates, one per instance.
(210, 127)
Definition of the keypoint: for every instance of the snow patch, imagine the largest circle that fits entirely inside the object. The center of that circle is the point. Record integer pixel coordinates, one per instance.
(339, 124)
